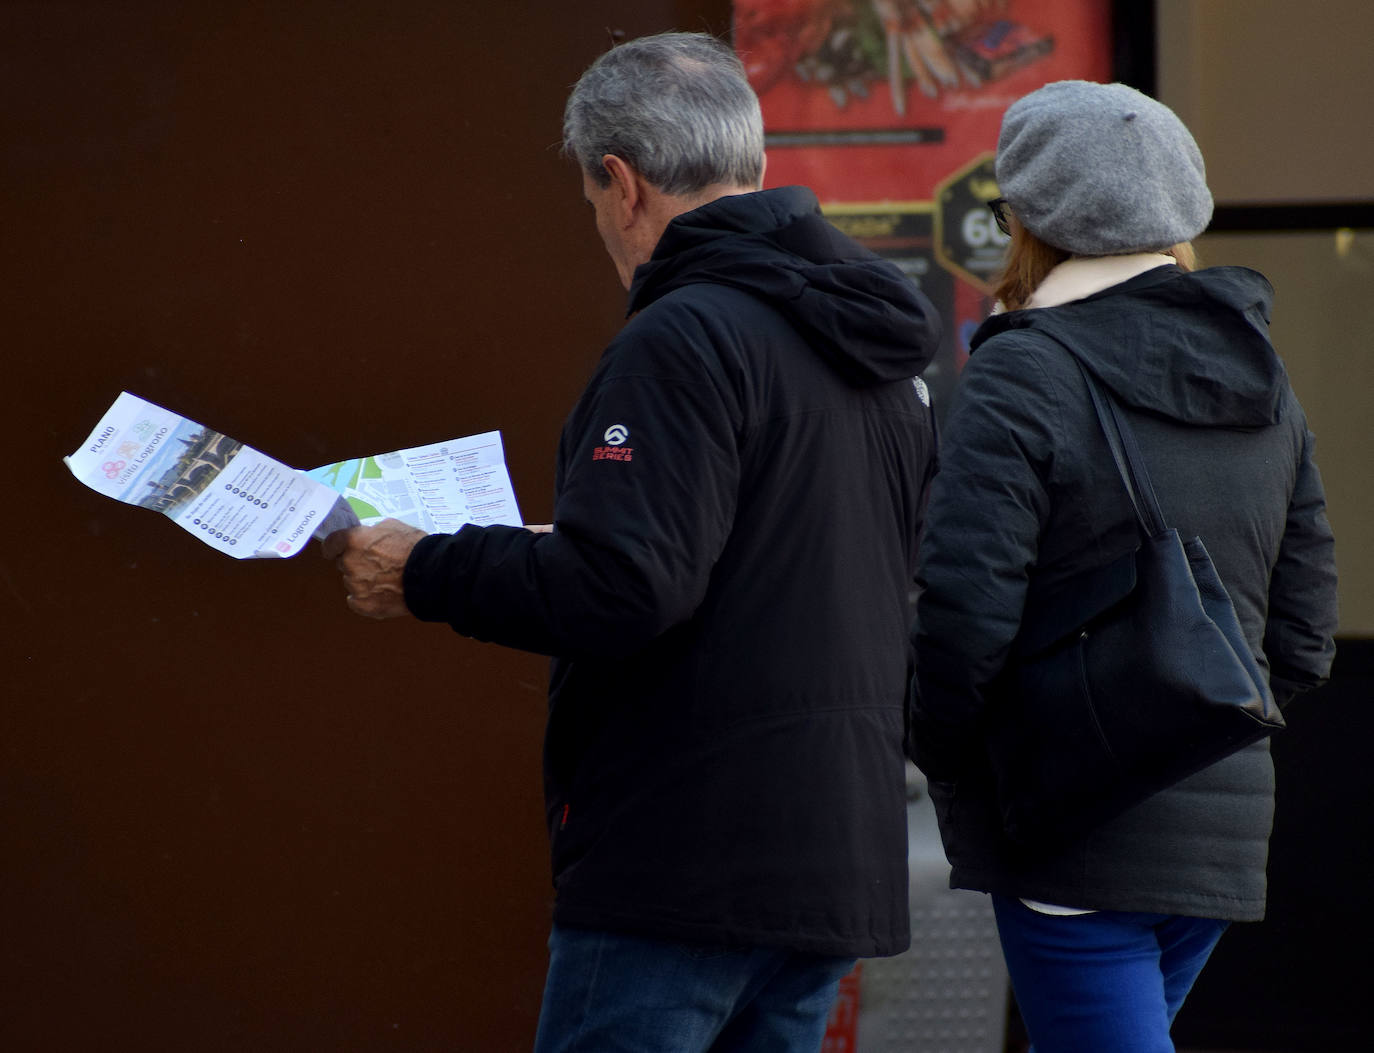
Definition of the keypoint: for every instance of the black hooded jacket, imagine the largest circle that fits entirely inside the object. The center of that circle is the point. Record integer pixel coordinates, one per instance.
(1028, 496)
(725, 591)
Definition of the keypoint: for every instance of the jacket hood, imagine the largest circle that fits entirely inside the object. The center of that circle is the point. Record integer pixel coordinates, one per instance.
(857, 310)
(1193, 347)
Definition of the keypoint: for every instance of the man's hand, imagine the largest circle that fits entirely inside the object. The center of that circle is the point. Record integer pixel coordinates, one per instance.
(371, 560)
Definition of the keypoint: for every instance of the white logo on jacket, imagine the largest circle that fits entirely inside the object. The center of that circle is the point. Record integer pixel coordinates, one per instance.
(615, 448)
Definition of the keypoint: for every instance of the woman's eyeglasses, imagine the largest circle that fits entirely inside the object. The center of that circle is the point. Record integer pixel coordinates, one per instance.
(1001, 214)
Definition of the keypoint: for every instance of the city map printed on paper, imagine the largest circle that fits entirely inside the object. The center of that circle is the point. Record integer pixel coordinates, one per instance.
(247, 505)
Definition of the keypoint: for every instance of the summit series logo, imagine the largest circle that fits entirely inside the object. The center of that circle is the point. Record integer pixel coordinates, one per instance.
(615, 449)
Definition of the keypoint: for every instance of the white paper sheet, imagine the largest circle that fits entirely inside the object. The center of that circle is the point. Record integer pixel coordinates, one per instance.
(247, 505)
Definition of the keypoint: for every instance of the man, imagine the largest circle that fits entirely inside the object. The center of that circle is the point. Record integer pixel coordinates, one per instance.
(723, 589)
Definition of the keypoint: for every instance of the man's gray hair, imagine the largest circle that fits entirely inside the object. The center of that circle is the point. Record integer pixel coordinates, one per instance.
(676, 106)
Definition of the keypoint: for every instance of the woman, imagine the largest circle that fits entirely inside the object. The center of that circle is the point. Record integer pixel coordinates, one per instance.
(1104, 189)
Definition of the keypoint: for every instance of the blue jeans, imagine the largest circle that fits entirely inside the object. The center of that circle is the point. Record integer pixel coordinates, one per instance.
(1105, 981)
(607, 993)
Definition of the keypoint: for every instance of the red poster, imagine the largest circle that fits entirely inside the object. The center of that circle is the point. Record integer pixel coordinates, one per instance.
(889, 110)
(842, 1029)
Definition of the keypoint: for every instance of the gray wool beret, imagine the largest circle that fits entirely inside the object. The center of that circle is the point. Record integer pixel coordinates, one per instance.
(1101, 170)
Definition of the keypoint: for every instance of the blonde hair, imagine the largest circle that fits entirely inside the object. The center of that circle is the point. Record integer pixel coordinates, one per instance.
(1029, 259)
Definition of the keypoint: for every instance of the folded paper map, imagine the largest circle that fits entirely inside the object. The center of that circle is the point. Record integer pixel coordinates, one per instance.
(248, 505)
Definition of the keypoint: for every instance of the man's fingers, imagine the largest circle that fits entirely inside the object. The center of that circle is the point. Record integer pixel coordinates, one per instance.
(370, 561)
(379, 605)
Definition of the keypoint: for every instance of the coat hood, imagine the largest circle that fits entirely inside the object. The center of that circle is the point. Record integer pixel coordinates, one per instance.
(1193, 347)
(856, 310)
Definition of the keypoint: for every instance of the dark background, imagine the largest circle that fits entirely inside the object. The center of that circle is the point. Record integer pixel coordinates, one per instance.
(232, 814)
(1299, 981)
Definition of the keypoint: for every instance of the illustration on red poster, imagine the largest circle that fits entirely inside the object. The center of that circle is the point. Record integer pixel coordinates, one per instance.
(889, 111)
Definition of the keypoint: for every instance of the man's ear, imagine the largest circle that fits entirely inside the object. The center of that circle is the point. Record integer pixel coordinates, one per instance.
(628, 193)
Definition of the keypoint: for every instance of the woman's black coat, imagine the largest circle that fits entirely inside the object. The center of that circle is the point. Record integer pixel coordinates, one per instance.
(1027, 494)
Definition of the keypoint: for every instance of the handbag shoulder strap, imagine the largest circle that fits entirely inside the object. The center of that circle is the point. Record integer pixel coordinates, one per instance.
(1126, 453)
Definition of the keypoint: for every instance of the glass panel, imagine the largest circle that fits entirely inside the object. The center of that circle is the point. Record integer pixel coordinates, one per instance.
(1323, 327)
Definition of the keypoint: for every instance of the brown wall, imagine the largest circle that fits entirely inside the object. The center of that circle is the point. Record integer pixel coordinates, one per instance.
(233, 815)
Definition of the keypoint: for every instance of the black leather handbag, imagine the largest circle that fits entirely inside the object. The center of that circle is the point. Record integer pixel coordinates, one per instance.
(1124, 679)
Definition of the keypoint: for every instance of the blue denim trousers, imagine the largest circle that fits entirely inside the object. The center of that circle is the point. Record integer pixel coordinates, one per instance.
(607, 993)
(1109, 980)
